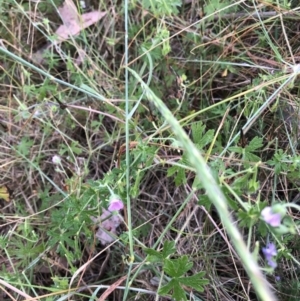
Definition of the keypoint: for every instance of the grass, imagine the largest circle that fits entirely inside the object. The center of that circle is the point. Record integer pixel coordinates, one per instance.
(191, 120)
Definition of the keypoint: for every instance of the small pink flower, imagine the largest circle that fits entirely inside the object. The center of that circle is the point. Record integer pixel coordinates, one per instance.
(56, 160)
(108, 227)
(115, 204)
(271, 218)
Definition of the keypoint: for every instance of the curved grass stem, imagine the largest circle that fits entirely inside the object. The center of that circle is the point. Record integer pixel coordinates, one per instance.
(215, 194)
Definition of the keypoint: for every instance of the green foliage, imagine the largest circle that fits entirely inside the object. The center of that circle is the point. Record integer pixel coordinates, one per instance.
(250, 217)
(143, 154)
(279, 161)
(51, 58)
(176, 270)
(70, 219)
(290, 289)
(60, 282)
(24, 245)
(246, 181)
(214, 5)
(25, 146)
(205, 201)
(248, 152)
(158, 256)
(158, 42)
(201, 139)
(217, 167)
(69, 149)
(179, 171)
(43, 7)
(284, 163)
(199, 136)
(161, 8)
(141, 160)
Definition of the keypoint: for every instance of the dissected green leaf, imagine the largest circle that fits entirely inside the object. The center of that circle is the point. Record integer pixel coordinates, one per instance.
(201, 139)
(196, 281)
(153, 255)
(251, 157)
(25, 146)
(236, 149)
(247, 153)
(214, 5)
(255, 144)
(206, 139)
(197, 131)
(178, 172)
(279, 161)
(168, 249)
(199, 136)
(156, 256)
(249, 218)
(179, 293)
(177, 267)
(174, 288)
(162, 7)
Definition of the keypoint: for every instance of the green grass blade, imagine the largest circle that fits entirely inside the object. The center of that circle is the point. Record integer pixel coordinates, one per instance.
(215, 194)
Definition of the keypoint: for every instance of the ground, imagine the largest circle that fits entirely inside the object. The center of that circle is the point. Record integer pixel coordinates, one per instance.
(187, 112)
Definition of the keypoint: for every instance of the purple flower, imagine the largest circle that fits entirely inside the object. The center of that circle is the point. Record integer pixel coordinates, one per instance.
(270, 250)
(115, 204)
(271, 218)
(269, 253)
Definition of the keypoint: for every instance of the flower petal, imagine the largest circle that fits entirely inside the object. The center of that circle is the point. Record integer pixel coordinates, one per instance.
(273, 219)
(269, 252)
(56, 160)
(115, 205)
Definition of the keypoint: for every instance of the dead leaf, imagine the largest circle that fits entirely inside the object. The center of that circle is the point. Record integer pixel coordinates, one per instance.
(68, 11)
(4, 193)
(73, 23)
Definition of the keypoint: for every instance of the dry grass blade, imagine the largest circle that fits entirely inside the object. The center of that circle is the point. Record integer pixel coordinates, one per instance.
(14, 289)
